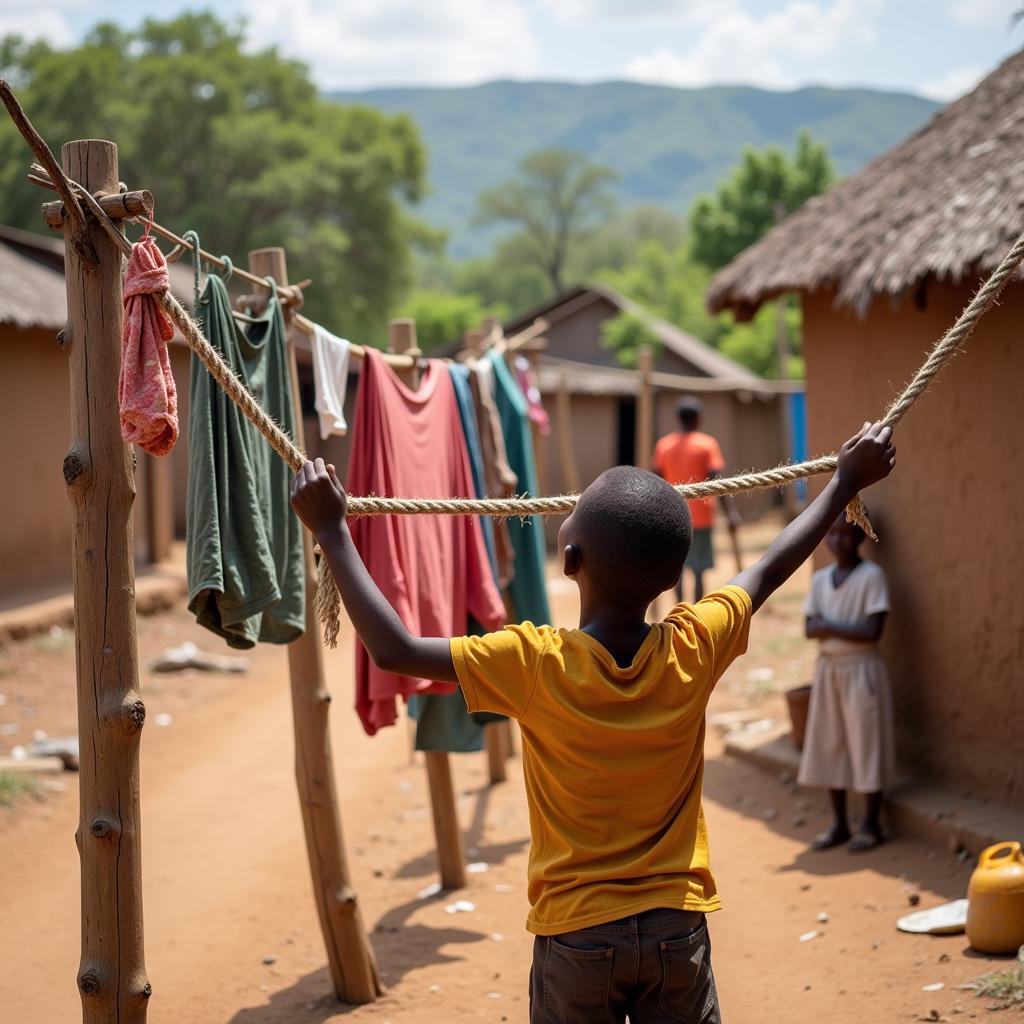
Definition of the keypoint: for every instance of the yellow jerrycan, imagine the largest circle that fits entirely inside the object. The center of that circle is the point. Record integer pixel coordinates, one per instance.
(995, 900)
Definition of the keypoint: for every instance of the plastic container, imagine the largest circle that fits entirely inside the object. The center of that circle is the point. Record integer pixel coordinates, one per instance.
(995, 900)
(798, 701)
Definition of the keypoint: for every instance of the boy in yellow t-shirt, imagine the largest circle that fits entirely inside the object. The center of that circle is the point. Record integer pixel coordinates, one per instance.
(612, 718)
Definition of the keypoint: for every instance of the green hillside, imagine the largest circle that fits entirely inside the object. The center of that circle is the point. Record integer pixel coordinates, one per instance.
(667, 144)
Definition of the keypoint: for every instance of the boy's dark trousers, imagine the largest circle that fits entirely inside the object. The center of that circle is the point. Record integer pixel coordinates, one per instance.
(655, 967)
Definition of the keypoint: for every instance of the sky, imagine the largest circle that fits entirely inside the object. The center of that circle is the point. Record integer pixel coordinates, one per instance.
(939, 48)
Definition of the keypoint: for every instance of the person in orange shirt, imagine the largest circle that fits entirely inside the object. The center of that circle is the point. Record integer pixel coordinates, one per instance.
(689, 456)
(612, 717)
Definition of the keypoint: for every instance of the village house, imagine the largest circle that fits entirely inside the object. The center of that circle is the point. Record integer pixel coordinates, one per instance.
(749, 415)
(884, 263)
(35, 421)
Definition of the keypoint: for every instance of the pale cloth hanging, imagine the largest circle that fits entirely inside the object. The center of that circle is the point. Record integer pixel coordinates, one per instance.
(330, 380)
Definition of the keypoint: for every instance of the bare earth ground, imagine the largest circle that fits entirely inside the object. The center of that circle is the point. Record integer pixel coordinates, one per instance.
(226, 881)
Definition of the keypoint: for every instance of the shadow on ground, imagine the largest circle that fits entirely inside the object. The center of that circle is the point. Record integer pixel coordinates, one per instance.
(493, 853)
(799, 814)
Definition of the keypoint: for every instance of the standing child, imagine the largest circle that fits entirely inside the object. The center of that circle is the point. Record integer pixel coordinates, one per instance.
(848, 744)
(612, 719)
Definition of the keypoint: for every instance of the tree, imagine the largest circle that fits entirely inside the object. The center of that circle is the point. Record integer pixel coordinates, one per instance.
(237, 145)
(625, 334)
(765, 186)
(669, 283)
(557, 197)
(441, 317)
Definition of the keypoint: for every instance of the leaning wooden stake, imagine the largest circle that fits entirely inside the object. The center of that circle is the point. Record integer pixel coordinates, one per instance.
(349, 953)
(99, 472)
(447, 835)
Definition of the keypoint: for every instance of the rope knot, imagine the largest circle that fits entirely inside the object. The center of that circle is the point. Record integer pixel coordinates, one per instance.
(147, 275)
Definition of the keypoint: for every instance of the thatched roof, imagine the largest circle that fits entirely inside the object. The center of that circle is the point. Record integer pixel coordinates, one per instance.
(945, 204)
(702, 357)
(32, 280)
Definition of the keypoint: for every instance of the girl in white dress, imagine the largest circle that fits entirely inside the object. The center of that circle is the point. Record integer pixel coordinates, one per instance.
(849, 727)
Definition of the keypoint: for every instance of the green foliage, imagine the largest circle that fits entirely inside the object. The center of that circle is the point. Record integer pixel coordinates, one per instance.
(766, 186)
(625, 335)
(667, 145)
(17, 786)
(1006, 986)
(616, 243)
(671, 284)
(237, 145)
(510, 277)
(556, 198)
(441, 317)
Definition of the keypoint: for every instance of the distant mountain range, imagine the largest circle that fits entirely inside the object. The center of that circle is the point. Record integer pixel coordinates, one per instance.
(668, 144)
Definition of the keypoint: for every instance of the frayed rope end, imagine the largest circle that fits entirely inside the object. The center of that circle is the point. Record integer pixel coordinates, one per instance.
(856, 512)
(327, 604)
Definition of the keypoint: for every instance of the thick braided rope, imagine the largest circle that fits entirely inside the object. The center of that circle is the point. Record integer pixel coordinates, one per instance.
(328, 601)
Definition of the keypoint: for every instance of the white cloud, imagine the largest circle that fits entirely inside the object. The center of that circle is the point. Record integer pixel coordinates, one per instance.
(953, 83)
(633, 10)
(32, 21)
(762, 50)
(984, 12)
(362, 43)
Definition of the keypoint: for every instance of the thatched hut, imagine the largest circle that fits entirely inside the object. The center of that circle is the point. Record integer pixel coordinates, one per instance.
(883, 263)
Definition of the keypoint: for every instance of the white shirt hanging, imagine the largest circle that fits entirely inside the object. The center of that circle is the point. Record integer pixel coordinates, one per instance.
(330, 378)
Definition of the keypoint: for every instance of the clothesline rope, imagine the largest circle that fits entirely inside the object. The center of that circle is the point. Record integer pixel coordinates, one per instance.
(328, 603)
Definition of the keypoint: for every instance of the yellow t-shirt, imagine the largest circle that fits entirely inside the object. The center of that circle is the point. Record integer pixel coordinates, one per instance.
(613, 757)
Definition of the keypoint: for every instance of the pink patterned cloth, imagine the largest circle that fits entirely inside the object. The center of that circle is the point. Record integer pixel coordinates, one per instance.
(145, 390)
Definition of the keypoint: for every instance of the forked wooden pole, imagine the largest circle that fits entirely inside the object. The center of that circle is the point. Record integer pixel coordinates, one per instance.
(450, 858)
(349, 953)
(99, 473)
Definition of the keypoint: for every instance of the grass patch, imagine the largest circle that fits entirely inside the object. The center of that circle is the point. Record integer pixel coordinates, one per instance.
(17, 786)
(1006, 986)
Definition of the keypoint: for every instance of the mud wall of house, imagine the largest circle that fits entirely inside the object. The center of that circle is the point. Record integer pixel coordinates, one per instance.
(950, 520)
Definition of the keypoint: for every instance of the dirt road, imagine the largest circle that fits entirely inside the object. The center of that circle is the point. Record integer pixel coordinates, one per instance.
(226, 882)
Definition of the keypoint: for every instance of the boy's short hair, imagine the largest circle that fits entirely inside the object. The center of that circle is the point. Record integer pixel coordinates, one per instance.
(634, 533)
(688, 409)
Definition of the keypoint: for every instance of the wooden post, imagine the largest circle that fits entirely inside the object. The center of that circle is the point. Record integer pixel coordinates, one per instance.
(159, 507)
(788, 494)
(447, 834)
(563, 424)
(539, 440)
(644, 409)
(349, 953)
(495, 745)
(99, 473)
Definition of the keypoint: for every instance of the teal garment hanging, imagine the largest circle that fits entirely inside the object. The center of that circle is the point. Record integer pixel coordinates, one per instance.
(528, 589)
(246, 573)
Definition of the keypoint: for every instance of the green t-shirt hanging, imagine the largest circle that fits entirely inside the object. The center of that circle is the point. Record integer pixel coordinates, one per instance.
(246, 579)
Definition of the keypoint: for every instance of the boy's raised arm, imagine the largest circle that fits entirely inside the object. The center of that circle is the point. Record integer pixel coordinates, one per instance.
(320, 502)
(866, 458)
